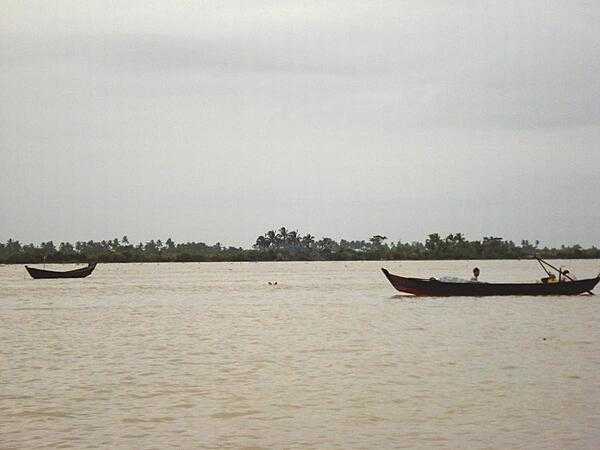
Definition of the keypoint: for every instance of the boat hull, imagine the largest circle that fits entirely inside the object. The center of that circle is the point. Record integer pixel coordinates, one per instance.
(435, 288)
(45, 274)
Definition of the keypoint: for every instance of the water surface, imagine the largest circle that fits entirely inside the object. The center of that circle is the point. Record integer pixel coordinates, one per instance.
(209, 355)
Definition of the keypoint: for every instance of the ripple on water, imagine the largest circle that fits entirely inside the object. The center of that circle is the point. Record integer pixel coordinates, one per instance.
(160, 419)
(233, 414)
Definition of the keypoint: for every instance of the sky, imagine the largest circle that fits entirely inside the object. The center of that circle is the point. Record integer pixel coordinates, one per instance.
(216, 121)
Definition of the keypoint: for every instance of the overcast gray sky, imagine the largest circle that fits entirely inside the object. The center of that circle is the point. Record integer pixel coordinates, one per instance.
(215, 121)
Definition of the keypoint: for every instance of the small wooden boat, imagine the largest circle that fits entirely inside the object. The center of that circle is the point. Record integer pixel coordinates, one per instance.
(436, 288)
(77, 273)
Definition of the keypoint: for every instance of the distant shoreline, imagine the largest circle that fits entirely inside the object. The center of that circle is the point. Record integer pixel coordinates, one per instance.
(284, 245)
(295, 261)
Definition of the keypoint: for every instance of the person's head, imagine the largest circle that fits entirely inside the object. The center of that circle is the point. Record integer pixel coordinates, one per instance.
(565, 272)
(476, 271)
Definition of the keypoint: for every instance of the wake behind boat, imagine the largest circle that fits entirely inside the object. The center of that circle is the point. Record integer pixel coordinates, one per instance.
(437, 288)
(76, 273)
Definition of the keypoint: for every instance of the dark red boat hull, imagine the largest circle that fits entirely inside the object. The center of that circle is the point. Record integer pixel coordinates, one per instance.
(435, 288)
(77, 273)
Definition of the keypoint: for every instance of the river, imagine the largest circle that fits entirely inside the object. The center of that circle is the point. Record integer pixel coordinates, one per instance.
(209, 355)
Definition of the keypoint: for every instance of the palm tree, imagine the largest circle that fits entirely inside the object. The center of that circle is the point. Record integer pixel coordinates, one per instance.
(262, 243)
(273, 238)
(377, 240)
(283, 235)
(433, 244)
(308, 240)
(13, 246)
(293, 239)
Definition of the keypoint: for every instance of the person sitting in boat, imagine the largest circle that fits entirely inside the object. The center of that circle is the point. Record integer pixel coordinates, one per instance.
(551, 278)
(564, 276)
(475, 277)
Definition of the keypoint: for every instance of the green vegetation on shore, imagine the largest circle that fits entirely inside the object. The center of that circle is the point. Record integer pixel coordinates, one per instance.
(284, 245)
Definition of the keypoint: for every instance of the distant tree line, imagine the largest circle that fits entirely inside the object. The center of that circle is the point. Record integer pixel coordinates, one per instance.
(284, 245)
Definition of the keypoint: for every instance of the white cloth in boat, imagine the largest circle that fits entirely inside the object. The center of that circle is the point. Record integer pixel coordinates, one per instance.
(447, 279)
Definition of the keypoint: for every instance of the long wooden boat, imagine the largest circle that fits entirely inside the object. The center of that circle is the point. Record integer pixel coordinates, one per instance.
(77, 273)
(436, 288)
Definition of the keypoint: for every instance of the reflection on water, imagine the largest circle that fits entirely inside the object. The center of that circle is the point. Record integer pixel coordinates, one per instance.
(210, 355)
